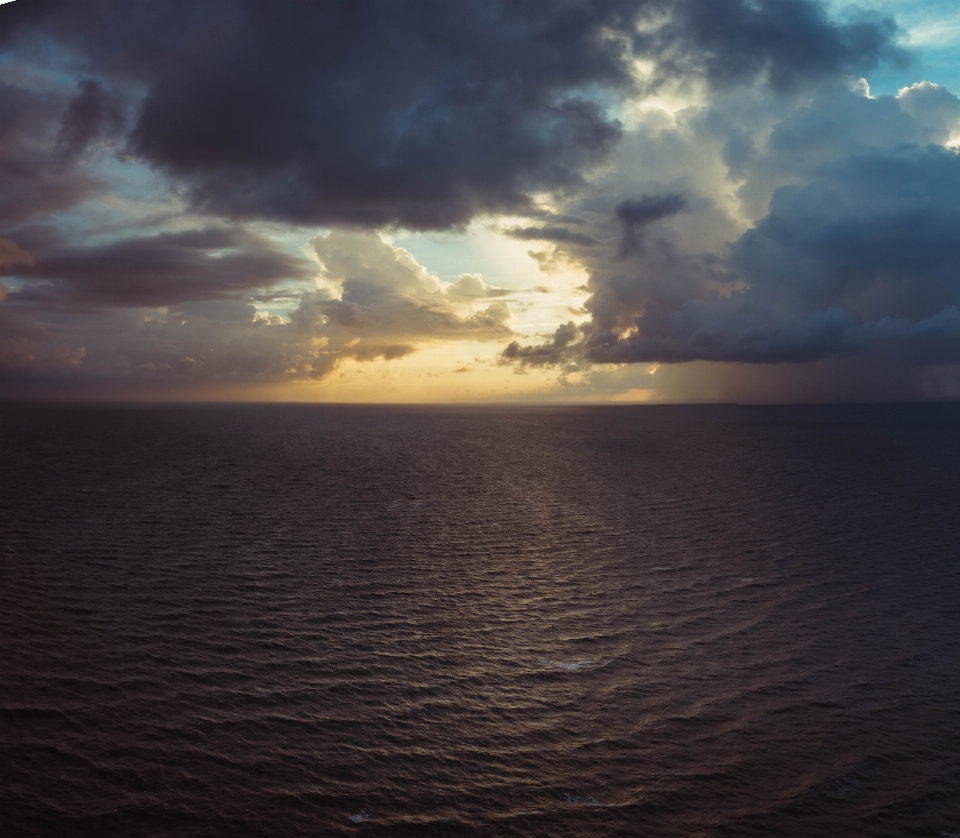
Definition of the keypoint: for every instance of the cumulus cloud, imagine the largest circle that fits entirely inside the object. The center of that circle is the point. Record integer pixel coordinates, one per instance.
(421, 114)
(934, 107)
(550, 353)
(472, 286)
(855, 254)
(387, 301)
(789, 217)
(636, 215)
(376, 302)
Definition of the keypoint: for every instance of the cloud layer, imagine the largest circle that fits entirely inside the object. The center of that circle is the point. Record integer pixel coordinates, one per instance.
(420, 113)
(375, 301)
(191, 192)
(854, 250)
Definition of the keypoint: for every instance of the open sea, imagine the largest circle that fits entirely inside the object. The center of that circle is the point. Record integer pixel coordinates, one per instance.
(559, 621)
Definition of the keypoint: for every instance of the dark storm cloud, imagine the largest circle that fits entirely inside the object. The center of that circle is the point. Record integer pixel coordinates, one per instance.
(12, 255)
(742, 333)
(787, 41)
(551, 353)
(165, 269)
(419, 113)
(857, 254)
(552, 233)
(92, 113)
(33, 178)
(878, 231)
(635, 215)
(422, 113)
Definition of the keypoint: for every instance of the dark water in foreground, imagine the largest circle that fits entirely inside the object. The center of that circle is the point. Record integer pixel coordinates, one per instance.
(542, 622)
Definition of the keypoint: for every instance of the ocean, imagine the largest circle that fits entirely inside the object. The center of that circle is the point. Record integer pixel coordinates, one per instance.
(281, 620)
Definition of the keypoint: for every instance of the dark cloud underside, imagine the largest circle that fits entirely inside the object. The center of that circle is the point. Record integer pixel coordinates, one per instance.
(856, 255)
(420, 113)
(166, 269)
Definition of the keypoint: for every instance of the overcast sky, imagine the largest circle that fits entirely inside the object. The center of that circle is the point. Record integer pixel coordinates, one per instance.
(452, 200)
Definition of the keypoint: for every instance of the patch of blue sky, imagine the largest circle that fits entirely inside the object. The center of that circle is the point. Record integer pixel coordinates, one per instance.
(15, 283)
(47, 66)
(138, 202)
(930, 32)
(609, 101)
(282, 299)
(449, 255)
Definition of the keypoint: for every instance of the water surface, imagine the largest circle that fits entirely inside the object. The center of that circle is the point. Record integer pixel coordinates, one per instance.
(664, 621)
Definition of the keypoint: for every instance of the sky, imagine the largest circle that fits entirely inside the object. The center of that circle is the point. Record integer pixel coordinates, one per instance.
(508, 201)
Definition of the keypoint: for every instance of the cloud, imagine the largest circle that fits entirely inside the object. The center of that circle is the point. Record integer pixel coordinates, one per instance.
(855, 255)
(422, 114)
(92, 113)
(551, 353)
(783, 217)
(11, 255)
(635, 215)
(472, 286)
(36, 178)
(934, 107)
(377, 303)
(788, 42)
(387, 300)
(552, 233)
(164, 269)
